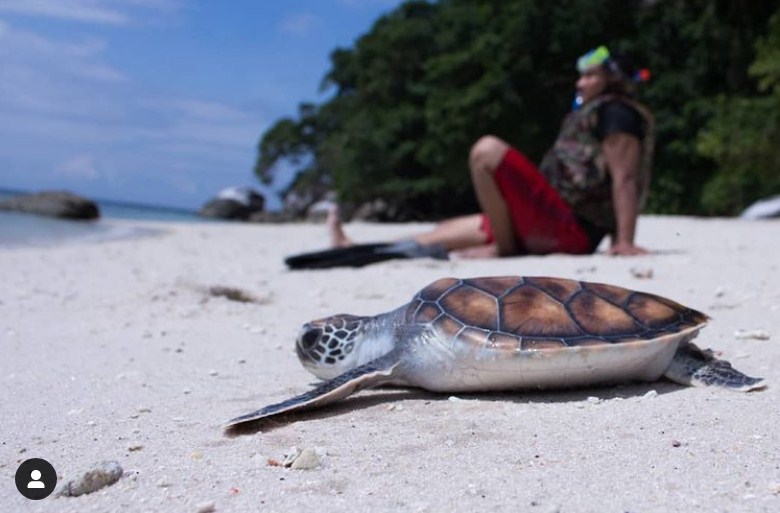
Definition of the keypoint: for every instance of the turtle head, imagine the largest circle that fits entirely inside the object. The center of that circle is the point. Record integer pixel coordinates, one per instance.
(327, 347)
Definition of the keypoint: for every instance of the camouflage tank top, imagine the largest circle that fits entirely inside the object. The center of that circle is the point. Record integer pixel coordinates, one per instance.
(576, 166)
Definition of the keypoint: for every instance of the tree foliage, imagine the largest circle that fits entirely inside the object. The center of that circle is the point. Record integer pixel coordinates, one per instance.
(743, 138)
(429, 78)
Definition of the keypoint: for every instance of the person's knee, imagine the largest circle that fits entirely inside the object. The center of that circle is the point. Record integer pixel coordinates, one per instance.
(486, 153)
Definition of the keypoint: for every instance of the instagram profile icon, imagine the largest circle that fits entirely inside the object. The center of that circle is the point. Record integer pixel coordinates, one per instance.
(36, 479)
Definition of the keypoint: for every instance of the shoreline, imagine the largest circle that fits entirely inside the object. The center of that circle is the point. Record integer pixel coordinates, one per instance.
(21, 230)
(116, 351)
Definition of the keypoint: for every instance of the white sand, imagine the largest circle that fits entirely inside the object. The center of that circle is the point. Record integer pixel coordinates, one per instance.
(113, 351)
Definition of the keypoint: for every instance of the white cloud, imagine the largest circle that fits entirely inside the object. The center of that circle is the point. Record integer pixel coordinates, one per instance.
(41, 75)
(111, 12)
(367, 3)
(64, 89)
(300, 23)
(69, 116)
(78, 166)
(191, 125)
(196, 109)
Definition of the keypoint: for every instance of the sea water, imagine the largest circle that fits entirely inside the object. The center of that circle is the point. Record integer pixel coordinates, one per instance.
(18, 229)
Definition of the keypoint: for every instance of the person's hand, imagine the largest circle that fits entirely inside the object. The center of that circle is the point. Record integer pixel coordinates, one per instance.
(626, 249)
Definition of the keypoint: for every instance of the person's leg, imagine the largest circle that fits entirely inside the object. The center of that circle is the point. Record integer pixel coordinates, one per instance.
(456, 233)
(338, 239)
(520, 208)
(485, 158)
(525, 213)
(451, 234)
(543, 221)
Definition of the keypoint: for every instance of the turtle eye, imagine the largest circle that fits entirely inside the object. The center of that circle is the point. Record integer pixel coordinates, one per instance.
(309, 339)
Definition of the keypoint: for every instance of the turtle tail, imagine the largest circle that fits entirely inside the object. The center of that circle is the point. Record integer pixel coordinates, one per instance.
(694, 367)
(369, 375)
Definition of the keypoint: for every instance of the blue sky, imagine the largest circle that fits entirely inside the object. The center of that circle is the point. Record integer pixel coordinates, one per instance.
(158, 101)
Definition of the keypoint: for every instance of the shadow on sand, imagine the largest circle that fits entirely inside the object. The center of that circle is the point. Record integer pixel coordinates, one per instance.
(375, 397)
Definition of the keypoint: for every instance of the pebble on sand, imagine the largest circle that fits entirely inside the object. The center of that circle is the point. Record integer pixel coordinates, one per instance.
(305, 459)
(205, 507)
(308, 459)
(102, 475)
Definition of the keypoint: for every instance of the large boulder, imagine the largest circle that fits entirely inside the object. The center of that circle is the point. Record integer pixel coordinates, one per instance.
(766, 208)
(61, 204)
(235, 203)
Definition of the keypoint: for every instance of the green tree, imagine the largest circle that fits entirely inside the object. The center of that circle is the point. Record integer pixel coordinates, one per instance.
(699, 51)
(744, 136)
(415, 92)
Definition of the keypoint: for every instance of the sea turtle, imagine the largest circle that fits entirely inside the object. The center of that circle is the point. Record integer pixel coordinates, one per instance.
(505, 333)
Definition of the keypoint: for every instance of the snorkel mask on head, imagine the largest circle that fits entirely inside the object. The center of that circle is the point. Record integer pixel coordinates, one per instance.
(602, 57)
(617, 66)
(596, 57)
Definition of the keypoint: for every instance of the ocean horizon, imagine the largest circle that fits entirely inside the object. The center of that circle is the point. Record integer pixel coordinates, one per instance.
(21, 229)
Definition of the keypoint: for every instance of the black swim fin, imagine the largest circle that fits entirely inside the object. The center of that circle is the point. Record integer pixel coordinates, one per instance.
(360, 255)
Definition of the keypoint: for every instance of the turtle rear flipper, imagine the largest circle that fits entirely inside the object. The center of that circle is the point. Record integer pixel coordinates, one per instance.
(693, 367)
(374, 373)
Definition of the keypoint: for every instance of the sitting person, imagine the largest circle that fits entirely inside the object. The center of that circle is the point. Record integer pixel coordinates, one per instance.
(591, 183)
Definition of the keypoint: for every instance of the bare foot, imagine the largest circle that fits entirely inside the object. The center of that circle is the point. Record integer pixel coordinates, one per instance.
(338, 239)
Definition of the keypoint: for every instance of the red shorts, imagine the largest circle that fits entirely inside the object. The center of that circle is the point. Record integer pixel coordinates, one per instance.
(542, 220)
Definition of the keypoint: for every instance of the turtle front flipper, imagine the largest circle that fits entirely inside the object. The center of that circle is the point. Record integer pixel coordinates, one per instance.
(693, 367)
(369, 375)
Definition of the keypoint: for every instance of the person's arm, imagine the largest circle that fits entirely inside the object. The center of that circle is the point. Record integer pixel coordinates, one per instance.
(622, 153)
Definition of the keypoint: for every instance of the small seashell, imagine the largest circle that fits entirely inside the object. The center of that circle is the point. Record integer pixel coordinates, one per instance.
(651, 394)
(104, 474)
(290, 456)
(642, 273)
(298, 459)
(752, 334)
(306, 460)
(205, 507)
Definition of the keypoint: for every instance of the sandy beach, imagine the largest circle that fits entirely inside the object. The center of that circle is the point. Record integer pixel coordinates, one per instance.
(117, 351)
